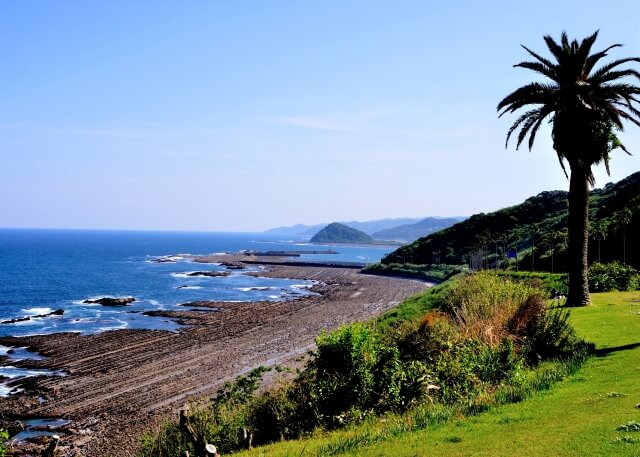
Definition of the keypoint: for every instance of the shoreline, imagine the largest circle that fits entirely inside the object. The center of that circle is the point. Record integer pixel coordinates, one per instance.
(122, 382)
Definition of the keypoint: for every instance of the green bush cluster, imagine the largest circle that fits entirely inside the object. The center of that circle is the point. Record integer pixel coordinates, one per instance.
(4, 436)
(549, 283)
(604, 277)
(481, 334)
(439, 272)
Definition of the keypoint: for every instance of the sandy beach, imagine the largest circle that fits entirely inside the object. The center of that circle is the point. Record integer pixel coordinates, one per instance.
(124, 382)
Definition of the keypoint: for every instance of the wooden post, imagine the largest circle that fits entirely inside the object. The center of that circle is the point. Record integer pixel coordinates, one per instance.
(50, 451)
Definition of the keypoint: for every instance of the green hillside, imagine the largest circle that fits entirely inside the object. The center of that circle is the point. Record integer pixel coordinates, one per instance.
(340, 233)
(536, 231)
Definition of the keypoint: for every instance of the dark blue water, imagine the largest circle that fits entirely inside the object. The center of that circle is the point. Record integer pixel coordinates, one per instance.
(45, 270)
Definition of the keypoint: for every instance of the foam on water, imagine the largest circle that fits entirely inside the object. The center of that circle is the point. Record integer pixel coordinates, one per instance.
(5, 390)
(32, 311)
(184, 275)
(12, 372)
(302, 286)
(256, 288)
(20, 353)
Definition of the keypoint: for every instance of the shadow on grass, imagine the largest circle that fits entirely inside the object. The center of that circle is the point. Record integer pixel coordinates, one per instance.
(606, 351)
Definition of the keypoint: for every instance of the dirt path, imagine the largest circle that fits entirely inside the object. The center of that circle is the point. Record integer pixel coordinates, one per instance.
(122, 382)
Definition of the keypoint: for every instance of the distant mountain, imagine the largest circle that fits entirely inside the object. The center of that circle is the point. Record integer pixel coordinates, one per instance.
(411, 232)
(370, 227)
(534, 232)
(340, 233)
(367, 227)
(296, 230)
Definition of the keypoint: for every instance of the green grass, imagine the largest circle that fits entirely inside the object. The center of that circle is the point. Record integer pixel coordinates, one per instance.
(579, 416)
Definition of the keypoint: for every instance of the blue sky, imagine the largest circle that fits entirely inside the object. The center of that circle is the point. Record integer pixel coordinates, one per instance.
(241, 116)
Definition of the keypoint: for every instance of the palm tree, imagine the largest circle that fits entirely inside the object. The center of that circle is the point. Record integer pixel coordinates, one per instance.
(585, 107)
(622, 219)
(599, 230)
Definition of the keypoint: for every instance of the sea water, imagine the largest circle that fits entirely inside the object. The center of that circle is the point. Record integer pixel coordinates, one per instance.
(45, 270)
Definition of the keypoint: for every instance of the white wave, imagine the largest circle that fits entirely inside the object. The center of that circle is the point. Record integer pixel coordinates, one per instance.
(122, 325)
(258, 288)
(5, 391)
(273, 296)
(153, 302)
(182, 275)
(189, 287)
(301, 286)
(12, 372)
(32, 311)
(20, 353)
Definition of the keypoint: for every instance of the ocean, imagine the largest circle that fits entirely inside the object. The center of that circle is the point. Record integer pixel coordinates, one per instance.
(42, 271)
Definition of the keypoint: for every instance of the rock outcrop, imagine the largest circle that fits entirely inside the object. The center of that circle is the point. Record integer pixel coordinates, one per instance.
(109, 301)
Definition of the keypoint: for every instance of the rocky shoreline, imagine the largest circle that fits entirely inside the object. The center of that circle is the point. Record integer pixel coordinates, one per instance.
(120, 383)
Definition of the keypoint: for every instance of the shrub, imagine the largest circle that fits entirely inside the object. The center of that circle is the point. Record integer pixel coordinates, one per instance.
(4, 436)
(439, 272)
(613, 276)
(221, 422)
(549, 283)
(481, 305)
(344, 364)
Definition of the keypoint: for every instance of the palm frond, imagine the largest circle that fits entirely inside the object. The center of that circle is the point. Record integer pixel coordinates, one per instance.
(561, 160)
(593, 59)
(519, 121)
(544, 61)
(524, 130)
(602, 71)
(539, 68)
(544, 112)
(583, 50)
(531, 94)
(555, 49)
(628, 117)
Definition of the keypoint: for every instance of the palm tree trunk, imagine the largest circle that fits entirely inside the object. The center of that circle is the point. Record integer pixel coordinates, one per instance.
(578, 237)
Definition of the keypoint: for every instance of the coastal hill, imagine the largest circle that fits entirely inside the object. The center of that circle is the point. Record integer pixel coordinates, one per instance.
(535, 232)
(340, 233)
(411, 232)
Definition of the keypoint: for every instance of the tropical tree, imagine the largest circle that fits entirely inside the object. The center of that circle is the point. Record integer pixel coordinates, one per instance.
(586, 108)
(622, 219)
(599, 229)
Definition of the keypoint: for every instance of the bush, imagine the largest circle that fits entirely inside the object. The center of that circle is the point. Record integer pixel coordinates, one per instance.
(221, 422)
(4, 436)
(344, 366)
(604, 277)
(543, 333)
(482, 303)
(439, 272)
(549, 283)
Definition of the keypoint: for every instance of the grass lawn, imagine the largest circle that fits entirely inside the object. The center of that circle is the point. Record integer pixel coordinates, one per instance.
(577, 417)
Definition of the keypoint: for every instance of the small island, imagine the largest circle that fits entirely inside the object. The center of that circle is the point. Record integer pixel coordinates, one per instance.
(340, 233)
